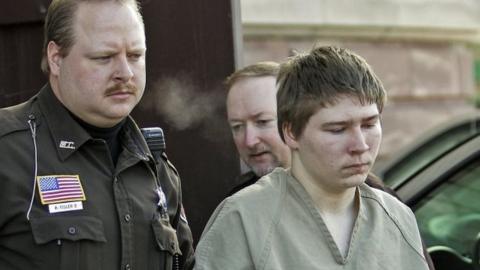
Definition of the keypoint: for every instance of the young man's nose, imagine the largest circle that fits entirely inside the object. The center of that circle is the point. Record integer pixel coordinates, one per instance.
(358, 141)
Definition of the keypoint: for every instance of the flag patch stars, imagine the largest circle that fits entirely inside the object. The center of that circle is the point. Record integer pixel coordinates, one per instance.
(60, 188)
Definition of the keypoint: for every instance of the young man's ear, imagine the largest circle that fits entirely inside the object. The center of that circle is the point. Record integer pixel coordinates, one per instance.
(54, 57)
(290, 139)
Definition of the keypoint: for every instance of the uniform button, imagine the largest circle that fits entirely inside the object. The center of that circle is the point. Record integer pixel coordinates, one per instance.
(127, 267)
(127, 217)
(72, 230)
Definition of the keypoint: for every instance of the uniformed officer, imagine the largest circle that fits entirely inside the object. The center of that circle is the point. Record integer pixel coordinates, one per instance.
(79, 188)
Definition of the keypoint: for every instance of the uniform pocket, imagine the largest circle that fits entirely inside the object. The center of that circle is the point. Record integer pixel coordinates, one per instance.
(80, 240)
(166, 242)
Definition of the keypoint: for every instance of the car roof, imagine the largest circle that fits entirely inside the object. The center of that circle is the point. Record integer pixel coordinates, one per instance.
(415, 188)
(428, 148)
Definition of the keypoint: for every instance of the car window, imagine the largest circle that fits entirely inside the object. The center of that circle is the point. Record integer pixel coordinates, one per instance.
(429, 152)
(450, 214)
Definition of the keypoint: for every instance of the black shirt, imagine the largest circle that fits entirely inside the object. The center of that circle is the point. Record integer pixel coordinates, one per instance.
(109, 135)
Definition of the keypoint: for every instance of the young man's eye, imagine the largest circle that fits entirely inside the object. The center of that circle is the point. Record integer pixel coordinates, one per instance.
(336, 130)
(102, 58)
(370, 125)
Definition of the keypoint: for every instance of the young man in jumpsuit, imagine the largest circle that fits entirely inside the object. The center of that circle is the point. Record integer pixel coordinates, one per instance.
(252, 114)
(319, 214)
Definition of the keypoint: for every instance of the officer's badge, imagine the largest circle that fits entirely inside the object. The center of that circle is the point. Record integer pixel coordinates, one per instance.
(162, 199)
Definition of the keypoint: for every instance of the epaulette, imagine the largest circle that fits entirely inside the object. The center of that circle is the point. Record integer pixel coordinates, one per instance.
(165, 158)
(10, 119)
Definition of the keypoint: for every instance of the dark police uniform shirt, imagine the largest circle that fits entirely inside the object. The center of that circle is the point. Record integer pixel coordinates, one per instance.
(86, 213)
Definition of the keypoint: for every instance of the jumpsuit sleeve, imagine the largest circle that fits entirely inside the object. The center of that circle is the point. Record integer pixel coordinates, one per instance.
(224, 243)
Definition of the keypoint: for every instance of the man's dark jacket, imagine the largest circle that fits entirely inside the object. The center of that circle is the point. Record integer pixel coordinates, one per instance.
(121, 224)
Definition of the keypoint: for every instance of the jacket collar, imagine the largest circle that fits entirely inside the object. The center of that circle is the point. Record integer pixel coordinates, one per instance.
(69, 135)
(134, 142)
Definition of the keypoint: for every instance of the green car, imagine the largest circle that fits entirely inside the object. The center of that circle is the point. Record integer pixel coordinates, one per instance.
(439, 178)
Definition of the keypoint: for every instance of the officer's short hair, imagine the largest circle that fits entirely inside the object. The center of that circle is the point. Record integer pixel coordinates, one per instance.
(58, 25)
(307, 82)
(260, 69)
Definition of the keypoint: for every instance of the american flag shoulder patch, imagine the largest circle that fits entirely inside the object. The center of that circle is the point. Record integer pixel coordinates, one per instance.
(60, 188)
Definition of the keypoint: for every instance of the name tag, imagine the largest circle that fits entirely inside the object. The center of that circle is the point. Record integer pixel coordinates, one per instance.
(65, 207)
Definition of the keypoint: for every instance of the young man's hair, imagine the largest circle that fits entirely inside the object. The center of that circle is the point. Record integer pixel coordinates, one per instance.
(260, 69)
(308, 82)
(59, 21)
